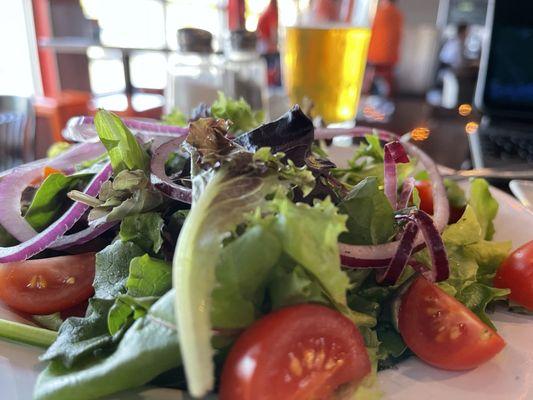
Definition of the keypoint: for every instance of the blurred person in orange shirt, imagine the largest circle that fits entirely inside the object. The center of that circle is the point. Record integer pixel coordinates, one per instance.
(384, 48)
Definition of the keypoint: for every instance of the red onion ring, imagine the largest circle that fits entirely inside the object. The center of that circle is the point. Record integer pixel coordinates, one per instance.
(422, 270)
(83, 236)
(407, 192)
(161, 180)
(397, 264)
(379, 255)
(434, 244)
(417, 221)
(81, 129)
(358, 131)
(394, 153)
(15, 181)
(47, 237)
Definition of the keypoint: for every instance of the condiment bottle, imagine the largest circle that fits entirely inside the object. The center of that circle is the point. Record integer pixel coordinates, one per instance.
(245, 72)
(195, 72)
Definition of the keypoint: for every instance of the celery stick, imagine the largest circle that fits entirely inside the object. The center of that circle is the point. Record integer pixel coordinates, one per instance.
(26, 333)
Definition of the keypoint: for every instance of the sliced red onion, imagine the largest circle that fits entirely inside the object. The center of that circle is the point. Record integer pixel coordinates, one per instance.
(81, 129)
(161, 180)
(379, 255)
(397, 264)
(358, 131)
(416, 221)
(407, 191)
(83, 236)
(394, 153)
(47, 237)
(422, 270)
(434, 244)
(15, 181)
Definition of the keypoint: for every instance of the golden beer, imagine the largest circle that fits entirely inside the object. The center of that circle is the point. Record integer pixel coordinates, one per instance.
(327, 66)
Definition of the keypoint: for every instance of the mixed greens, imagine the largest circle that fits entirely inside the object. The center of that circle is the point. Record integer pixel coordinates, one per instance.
(175, 283)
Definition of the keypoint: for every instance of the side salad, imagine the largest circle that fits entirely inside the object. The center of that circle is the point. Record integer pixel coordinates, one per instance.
(215, 258)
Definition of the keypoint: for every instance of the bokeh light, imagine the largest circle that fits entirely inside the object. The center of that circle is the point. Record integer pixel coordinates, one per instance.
(420, 133)
(465, 110)
(471, 127)
(373, 114)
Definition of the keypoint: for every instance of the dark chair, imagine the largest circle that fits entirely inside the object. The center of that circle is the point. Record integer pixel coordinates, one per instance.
(17, 131)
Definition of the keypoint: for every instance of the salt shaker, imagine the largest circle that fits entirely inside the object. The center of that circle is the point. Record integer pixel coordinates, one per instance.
(195, 72)
(245, 72)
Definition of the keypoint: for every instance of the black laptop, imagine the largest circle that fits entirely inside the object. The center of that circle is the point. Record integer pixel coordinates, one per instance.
(505, 87)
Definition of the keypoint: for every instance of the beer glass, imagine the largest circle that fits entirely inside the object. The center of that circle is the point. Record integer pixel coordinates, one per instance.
(324, 45)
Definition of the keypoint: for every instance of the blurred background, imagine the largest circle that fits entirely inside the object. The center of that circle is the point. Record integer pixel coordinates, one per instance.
(70, 57)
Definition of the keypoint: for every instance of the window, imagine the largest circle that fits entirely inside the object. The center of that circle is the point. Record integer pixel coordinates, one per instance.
(144, 24)
(19, 67)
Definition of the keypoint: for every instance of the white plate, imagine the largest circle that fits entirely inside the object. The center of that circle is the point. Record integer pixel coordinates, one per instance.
(508, 376)
(523, 190)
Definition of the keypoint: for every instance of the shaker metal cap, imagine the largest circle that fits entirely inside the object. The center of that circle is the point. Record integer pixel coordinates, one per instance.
(195, 40)
(243, 40)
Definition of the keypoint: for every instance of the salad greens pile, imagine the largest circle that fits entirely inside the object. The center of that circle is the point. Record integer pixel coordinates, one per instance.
(262, 233)
(241, 116)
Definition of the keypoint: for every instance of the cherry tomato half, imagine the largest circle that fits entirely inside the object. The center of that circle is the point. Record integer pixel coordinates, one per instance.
(426, 196)
(516, 273)
(425, 192)
(443, 332)
(297, 353)
(47, 285)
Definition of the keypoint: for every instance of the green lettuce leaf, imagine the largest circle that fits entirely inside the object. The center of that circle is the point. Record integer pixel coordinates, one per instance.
(175, 117)
(300, 176)
(144, 230)
(222, 200)
(371, 149)
(148, 277)
(318, 254)
(6, 240)
(266, 260)
(239, 112)
(126, 310)
(113, 267)
(477, 296)
(473, 262)
(368, 161)
(289, 286)
(149, 348)
(49, 321)
(472, 259)
(81, 336)
(241, 276)
(51, 199)
(124, 151)
(484, 205)
(464, 232)
(370, 215)
(130, 193)
(456, 195)
(489, 256)
(57, 148)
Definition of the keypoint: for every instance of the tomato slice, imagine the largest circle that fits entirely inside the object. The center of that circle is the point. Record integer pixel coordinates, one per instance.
(443, 332)
(297, 353)
(516, 273)
(426, 196)
(47, 285)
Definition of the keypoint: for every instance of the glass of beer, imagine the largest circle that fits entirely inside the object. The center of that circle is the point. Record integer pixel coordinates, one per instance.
(324, 45)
